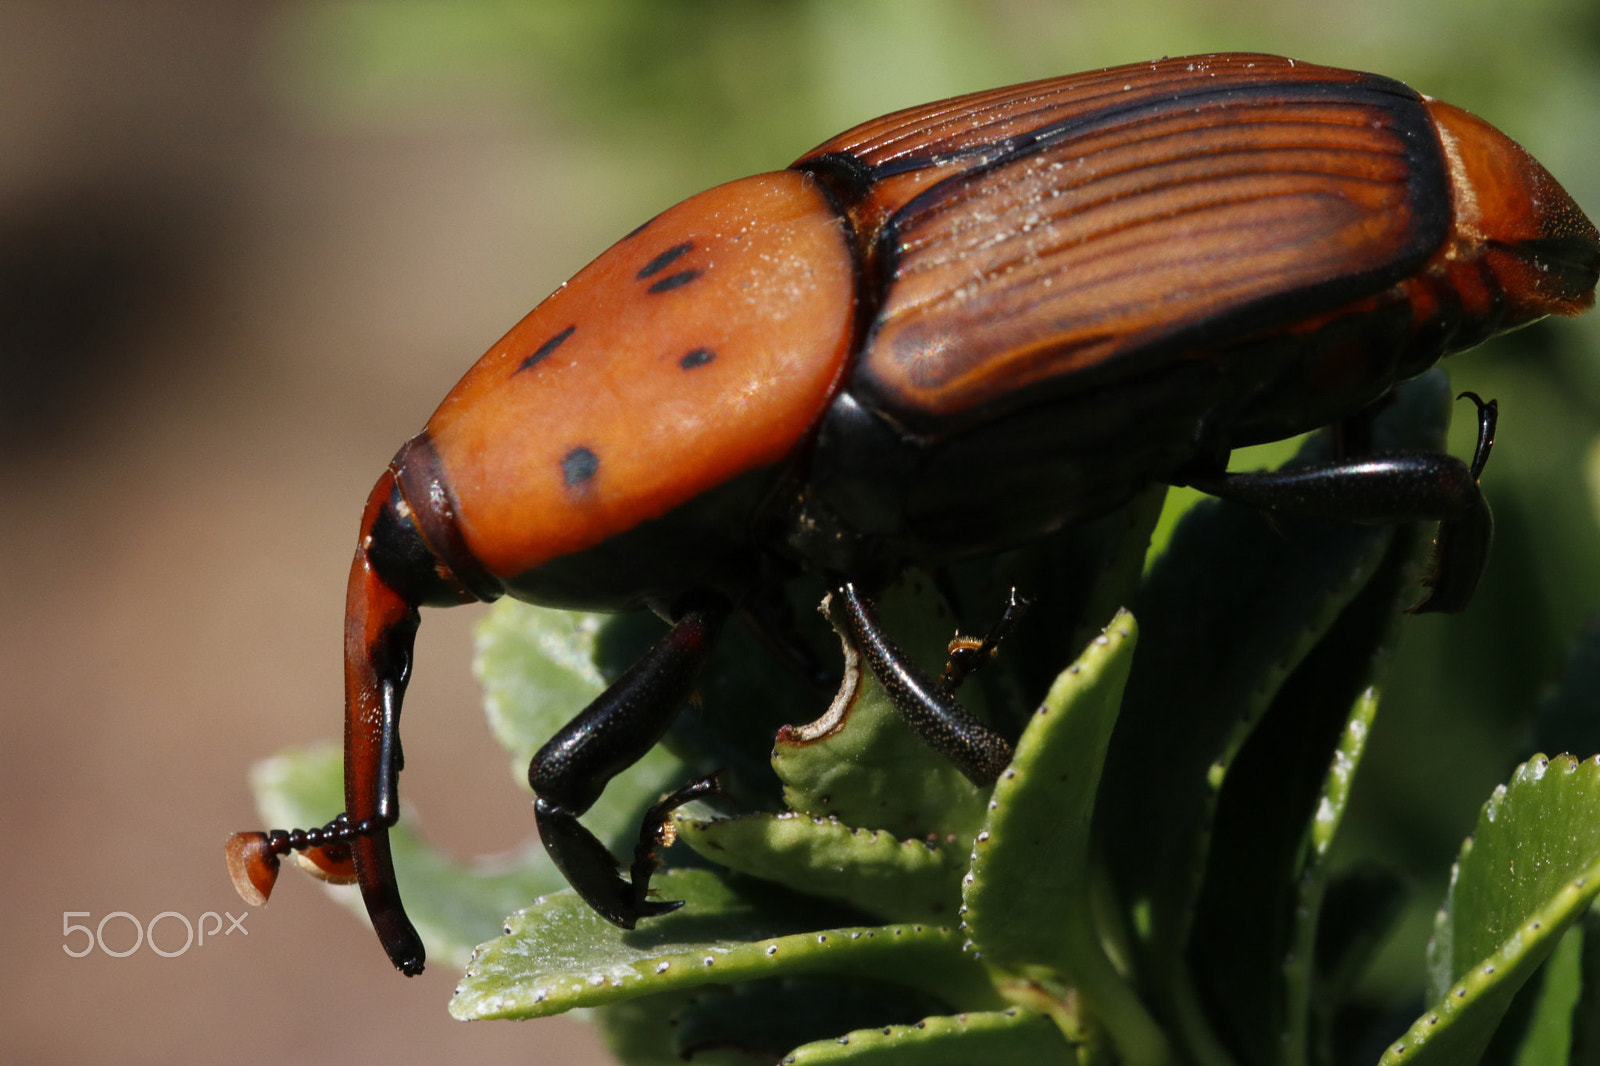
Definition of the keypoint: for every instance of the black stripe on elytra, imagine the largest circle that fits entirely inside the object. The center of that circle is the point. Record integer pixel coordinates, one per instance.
(544, 350)
(578, 467)
(674, 281)
(698, 357)
(1372, 90)
(664, 260)
(640, 228)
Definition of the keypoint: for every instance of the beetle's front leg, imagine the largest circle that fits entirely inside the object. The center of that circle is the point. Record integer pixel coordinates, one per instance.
(615, 731)
(1398, 487)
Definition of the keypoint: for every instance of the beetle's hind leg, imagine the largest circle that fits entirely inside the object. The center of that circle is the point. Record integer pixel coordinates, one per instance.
(949, 728)
(615, 731)
(1391, 488)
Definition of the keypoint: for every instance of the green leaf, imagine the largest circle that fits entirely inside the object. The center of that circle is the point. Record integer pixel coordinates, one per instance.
(537, 669)
(861, 763)
(1219, 639)
(1529, 871)
(1586, 1011)
(643, 1032)
(1548, 1037)
(757, 1021)
(1008, 1036)
(900, 880)
(1254, 940)
(1028, 897)
(454, 906)
(559, 954)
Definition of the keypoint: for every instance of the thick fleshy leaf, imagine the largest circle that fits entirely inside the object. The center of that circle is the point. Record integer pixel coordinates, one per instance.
(867, 768)
(558, 954)
(537, 670)
(1586, 1011)
(1547, 1037)
(1218, 641)
(1028, 897)
(1008, 1036)
(756, 1021)
(1253, 943)
(642, 1031)
(898, 880)
(454, 906)
(1530, 869)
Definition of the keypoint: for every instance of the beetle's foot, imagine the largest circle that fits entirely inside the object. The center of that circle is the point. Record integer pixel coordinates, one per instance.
(657, 831)
(253, 858)
(969, 654)
(1461, 549)
(591, 869)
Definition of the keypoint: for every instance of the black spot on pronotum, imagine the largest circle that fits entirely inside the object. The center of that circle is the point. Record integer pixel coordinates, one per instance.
(698, 357)
(579, 466)
(675, 281)
(544, 350)
(664, 260)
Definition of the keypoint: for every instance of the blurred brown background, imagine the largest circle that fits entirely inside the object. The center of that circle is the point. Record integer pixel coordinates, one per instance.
(245, 248)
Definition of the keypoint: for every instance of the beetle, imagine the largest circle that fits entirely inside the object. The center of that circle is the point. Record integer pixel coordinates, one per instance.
(943, 333)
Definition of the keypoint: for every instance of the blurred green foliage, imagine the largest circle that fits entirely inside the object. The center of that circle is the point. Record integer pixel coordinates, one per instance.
(652, 100)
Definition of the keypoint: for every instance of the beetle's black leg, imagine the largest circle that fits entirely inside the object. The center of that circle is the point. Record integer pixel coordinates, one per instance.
(978, 751)
(1397, 487)
(615, 731)
(968, 654)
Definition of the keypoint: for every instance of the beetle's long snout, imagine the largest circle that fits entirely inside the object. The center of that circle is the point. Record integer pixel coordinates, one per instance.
(381, 620)
(1535, 239)
(410, 554)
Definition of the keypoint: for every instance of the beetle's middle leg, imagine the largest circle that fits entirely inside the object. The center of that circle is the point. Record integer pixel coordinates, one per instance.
(614, 732)
(1391, 488)
(949, 728)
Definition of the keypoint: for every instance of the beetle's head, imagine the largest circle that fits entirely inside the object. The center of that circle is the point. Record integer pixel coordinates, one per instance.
(410, 536)
(1538, 243)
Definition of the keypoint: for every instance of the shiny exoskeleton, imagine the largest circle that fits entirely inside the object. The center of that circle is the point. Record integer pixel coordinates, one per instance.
(946, 332)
